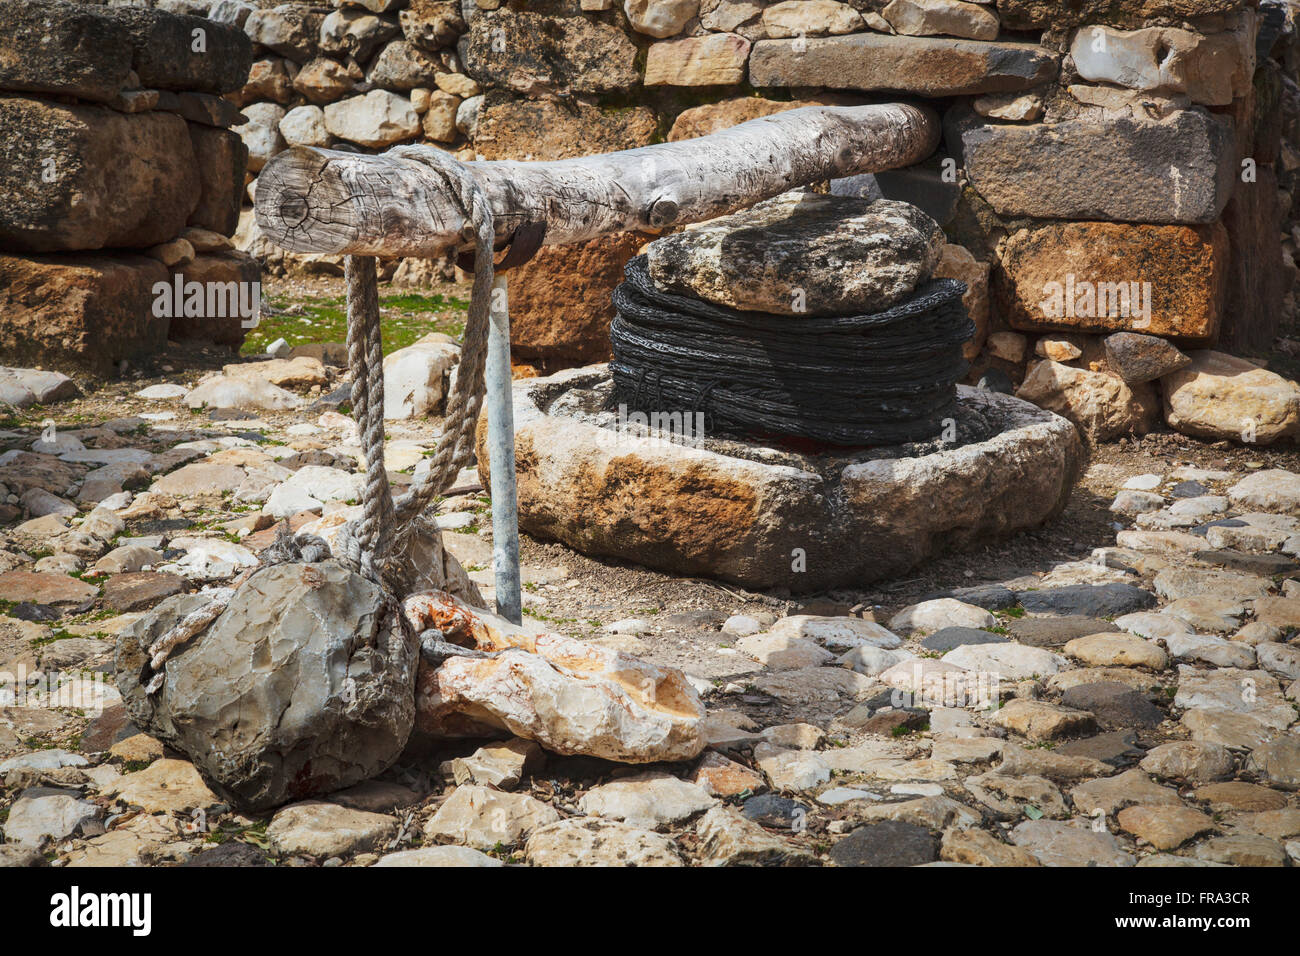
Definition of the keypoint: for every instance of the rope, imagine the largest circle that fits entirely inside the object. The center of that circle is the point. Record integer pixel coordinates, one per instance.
(373, 545)
(467, 395)
(366, 359)
(366, 545)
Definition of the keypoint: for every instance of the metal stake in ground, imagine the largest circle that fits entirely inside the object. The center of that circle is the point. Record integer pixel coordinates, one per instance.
(501, 456)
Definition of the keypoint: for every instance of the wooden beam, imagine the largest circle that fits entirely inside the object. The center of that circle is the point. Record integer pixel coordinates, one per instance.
(329, 201)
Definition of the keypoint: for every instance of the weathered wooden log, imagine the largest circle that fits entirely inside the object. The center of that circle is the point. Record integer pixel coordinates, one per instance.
(328, 201)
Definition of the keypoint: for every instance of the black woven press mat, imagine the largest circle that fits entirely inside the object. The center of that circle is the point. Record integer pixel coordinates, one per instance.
(848, 380)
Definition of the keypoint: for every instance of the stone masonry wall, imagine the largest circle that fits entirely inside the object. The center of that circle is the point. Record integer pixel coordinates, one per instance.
(119, 172)
(1092, 147)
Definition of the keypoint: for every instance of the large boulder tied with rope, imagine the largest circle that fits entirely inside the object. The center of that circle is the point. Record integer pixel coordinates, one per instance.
(303, 684)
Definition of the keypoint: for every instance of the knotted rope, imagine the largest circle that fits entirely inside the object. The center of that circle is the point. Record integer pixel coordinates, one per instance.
(366, 545)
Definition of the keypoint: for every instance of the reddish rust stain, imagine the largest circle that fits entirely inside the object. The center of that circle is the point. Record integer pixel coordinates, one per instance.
(312, 577)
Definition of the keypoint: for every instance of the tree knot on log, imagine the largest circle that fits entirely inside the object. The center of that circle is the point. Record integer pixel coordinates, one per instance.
(662, 212)
(293, 210)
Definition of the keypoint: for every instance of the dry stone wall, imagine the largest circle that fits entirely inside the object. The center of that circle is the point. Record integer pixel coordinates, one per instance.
(122, 178)
(1108, 165)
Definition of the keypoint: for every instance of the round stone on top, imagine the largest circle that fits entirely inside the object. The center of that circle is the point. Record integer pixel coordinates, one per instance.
(802, 253)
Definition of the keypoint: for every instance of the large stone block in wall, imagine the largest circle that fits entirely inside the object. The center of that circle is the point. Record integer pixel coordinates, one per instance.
(1222, 396)
(740, 16)
(1212, 69)
(1046, 14)
(221, 159)
(1114, 277)
(516, 128)
(87, 177)
(1260, 116)
(1180, 169)
(432, 24)
(377, 119)
(403, 66)
(323, 80)
(927, 66)
(712, 117)
(952, 18)
(356, 33)
(231, 294)
(79, 312)
(289, 29)
(186, 53)
(560, 305)
(47, 46)
(532, 54)
(717, 59)
(268, 79)
(1259, 275)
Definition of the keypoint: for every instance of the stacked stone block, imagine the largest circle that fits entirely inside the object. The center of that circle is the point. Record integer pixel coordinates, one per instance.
(120, 172)
(1153, 143)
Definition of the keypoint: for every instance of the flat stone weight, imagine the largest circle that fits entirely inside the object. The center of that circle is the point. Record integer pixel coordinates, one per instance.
(765, 517)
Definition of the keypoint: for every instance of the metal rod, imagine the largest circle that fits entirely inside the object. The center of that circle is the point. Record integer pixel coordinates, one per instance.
(501, 457)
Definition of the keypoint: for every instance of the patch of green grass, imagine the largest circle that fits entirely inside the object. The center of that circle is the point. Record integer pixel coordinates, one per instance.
(254, 834)
(57, 634)
(549, 618)
(504, 854)
(405, 317)
(904, 731)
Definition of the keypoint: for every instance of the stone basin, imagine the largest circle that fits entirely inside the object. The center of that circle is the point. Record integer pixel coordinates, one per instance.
(763, 516)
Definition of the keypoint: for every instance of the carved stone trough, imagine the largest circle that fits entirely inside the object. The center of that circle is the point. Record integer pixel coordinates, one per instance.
(606, 483)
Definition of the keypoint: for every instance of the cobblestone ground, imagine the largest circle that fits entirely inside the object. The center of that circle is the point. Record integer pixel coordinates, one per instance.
(1143, 645)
